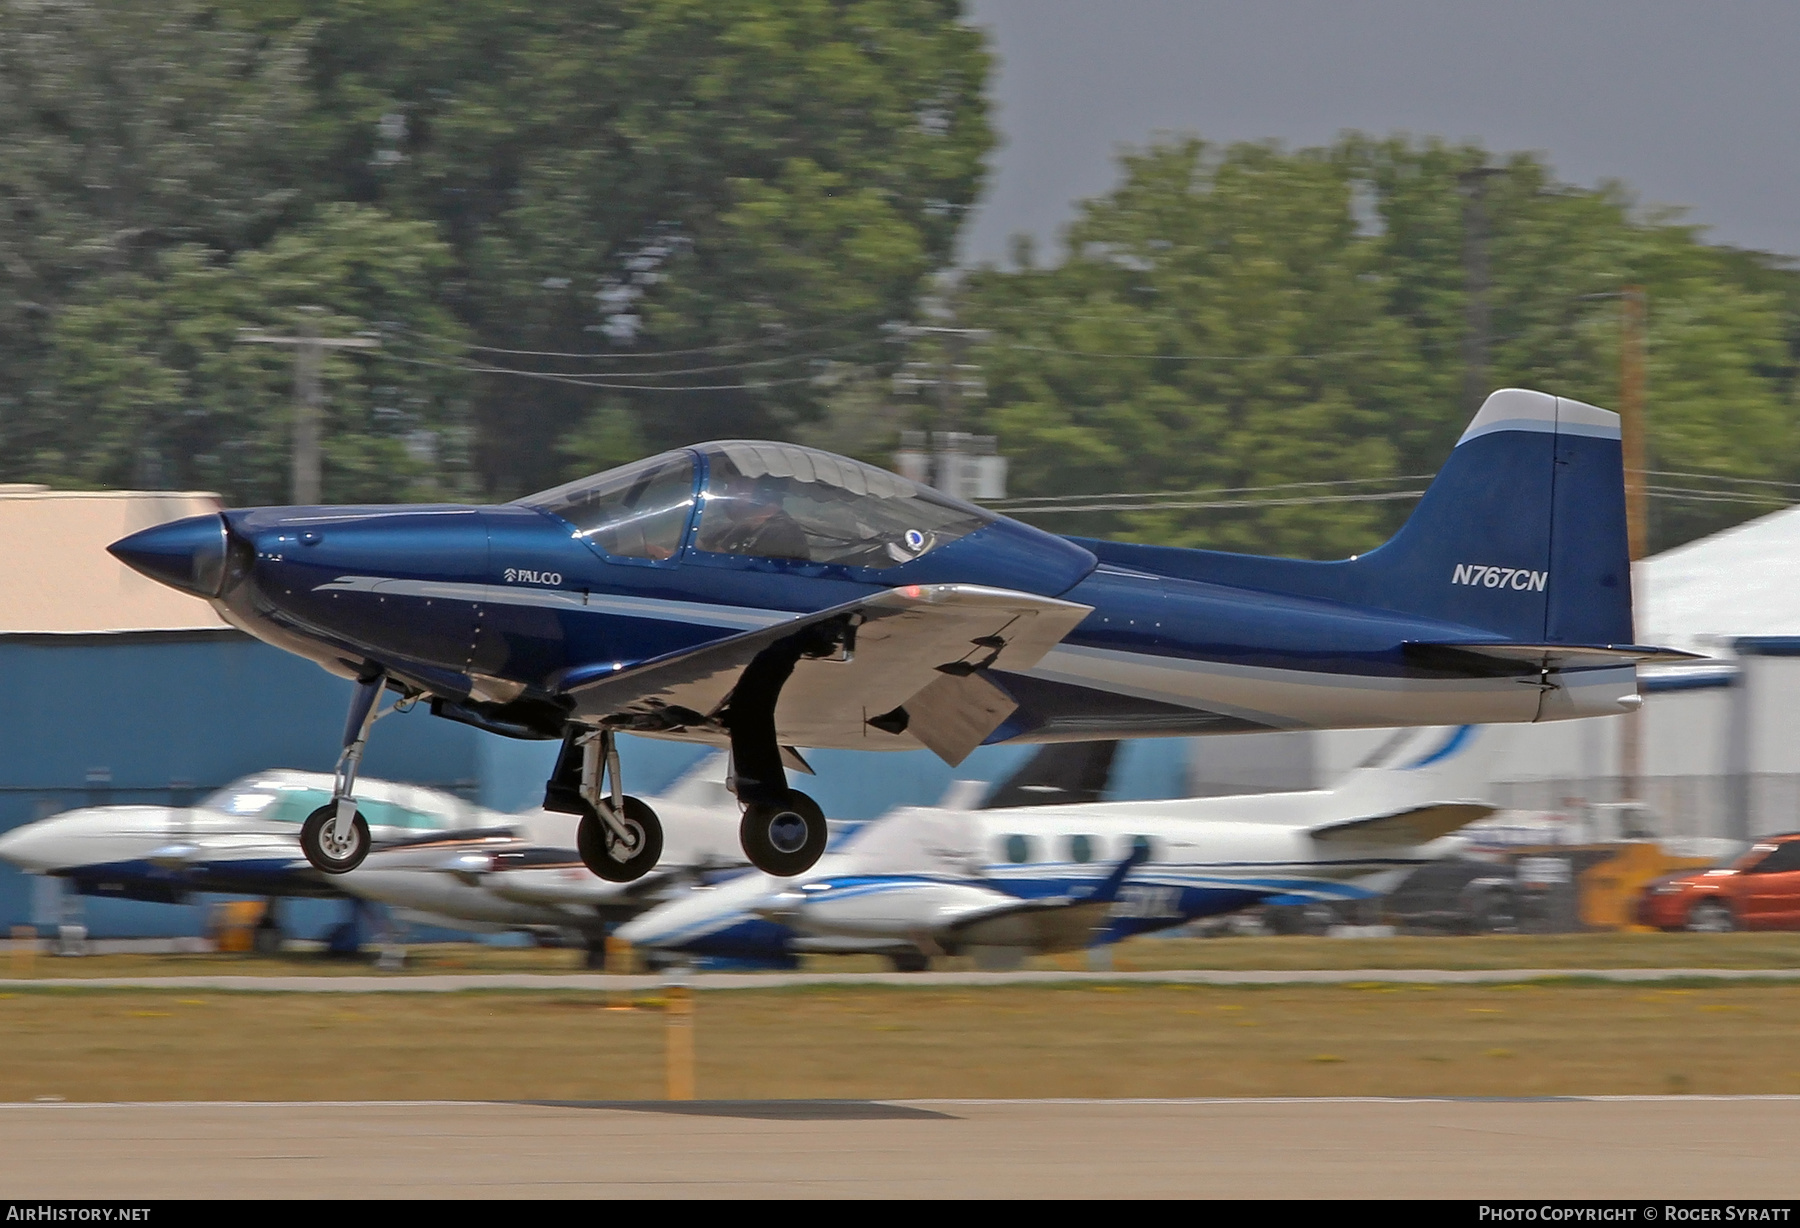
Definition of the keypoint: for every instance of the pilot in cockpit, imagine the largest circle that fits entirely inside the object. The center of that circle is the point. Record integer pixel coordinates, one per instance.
(745, 516)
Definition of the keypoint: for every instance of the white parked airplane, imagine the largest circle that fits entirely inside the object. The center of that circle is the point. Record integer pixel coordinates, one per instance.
(1002, 884)
(243, 839)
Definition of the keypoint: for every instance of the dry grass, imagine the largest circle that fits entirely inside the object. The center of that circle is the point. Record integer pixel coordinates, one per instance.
(1629, 950)
(1647, 950)
(1543, 1039)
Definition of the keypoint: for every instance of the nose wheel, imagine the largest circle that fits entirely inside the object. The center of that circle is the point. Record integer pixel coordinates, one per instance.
(335, 837)
(784, 838)
(621, 846)
(335, 843)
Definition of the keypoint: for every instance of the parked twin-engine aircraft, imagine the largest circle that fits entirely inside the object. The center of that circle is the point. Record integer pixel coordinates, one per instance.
(243, 839)
(764, 596)
(1002, 884)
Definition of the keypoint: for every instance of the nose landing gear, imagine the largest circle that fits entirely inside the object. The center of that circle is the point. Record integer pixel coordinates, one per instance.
(335, 837)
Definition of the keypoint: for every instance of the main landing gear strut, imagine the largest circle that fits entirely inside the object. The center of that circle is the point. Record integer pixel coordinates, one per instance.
(783, 831)
(619, 837)
(335, 837)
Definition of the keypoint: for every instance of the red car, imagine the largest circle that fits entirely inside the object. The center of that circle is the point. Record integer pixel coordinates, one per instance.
(1759, 891)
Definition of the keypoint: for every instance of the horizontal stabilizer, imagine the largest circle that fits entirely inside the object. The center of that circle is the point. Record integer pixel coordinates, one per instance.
(1520, 658)
(1415, 825)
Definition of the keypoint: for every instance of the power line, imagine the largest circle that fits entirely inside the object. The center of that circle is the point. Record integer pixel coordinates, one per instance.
(1045, 349)
(1054, 508)
(1024, 500)
(580, 382)
(1719, 477)
(1059, 509)
(1711, 496)
(847, 347)
(640, 354)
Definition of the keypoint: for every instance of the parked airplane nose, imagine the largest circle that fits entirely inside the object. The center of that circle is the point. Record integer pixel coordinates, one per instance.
(30, 847)
(185, 554)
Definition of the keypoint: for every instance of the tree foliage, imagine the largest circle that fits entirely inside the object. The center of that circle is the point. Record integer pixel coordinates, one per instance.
(1252, 317)
(156, 386)
(588, 229)
(755, 185)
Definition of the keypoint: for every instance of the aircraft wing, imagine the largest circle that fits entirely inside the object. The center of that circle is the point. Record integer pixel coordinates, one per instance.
(1062, 923)
(1414, 825)
(907, 662)
(182, 853)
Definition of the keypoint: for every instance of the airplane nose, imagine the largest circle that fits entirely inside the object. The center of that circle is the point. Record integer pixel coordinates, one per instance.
(185, 554)
(27, 848)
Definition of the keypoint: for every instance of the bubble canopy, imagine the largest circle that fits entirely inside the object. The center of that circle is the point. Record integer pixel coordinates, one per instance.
(762, 500)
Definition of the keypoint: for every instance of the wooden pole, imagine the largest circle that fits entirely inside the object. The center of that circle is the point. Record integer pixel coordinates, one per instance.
(678, 1013)
(24, 950)
(1632, 313)
(618, 963)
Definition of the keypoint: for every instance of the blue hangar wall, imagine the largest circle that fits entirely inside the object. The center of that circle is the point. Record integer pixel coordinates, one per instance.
(167, 717)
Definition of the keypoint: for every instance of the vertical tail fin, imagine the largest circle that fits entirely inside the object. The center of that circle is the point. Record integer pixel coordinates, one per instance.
(1521, 534)
(1523, 530)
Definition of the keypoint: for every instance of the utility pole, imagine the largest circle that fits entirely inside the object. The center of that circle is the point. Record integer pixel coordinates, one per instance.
(309, 401)
(1472, 184)
(949, 458)
(1633, 314)
(1633, 318)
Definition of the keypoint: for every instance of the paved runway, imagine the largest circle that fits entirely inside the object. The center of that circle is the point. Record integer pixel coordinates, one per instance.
(448, 982)
(1627, 1147)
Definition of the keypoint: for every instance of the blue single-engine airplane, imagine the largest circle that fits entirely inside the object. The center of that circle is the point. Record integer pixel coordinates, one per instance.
(764, 596)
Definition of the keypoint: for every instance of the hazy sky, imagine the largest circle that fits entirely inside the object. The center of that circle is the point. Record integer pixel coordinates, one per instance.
(1690, 104)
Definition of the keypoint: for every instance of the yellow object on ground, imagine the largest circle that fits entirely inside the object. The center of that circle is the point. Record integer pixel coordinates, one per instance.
(232, 925)
(1609, 890)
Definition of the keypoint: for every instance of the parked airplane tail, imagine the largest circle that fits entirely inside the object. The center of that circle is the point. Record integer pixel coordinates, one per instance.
(1521, 534)
(1433, 764)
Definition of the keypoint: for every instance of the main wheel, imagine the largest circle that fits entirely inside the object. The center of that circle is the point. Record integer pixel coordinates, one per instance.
(1711, 917)
(339, 853)
(786, 839)
(616, 859)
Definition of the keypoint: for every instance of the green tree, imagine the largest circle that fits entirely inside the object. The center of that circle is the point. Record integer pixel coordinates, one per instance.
(755, 184)
(1217, 324)
(151, 384)
(128, 128)
(1252, 317)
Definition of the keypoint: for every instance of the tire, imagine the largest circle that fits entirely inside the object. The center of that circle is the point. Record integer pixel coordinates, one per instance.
(787, 839)
(1711, 917)
(603, 852)
(340, 859)
(910, 961)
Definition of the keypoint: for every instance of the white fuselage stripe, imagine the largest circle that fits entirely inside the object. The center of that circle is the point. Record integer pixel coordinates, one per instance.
(743, 618)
